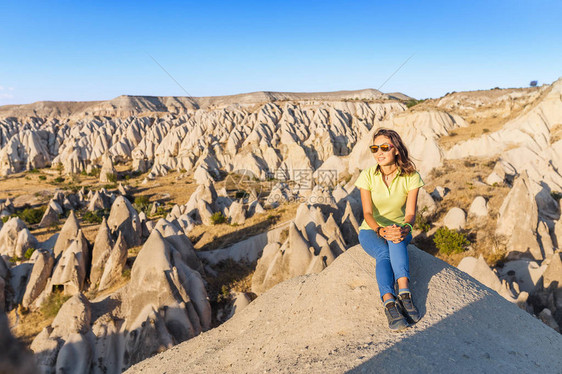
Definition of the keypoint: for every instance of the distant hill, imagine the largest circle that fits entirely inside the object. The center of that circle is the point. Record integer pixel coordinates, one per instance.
(127, 105)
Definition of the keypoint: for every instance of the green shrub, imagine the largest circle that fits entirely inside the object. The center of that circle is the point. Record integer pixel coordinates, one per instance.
(54, 302)
(141, 203)
(95, 172)
(556, 195)
(240, 194)
(6, 219)
(95, 216)
(422, 221)
(42, 177)
(31, 216)
(218, 218)
(162, 210)
(412, 102)
(34, 171)
(58, 180)
(126, 273)
(450, 241)
(28, 253)
(112, 177)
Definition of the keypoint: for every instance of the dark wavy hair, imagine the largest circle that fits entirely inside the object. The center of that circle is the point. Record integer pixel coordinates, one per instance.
(403, 160)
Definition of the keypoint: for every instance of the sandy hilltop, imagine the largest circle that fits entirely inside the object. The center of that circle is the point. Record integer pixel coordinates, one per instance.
(130, 105)
(219, 234)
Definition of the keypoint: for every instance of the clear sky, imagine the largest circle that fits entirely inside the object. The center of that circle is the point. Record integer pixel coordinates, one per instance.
(97, 50)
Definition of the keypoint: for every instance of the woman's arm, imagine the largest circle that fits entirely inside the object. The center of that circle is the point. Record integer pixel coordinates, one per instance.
(410, 214)
(367, 204)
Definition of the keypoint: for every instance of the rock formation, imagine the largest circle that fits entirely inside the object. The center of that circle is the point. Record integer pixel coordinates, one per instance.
(333, 322)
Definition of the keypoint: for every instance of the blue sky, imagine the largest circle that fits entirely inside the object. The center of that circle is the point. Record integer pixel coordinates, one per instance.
(86, 50)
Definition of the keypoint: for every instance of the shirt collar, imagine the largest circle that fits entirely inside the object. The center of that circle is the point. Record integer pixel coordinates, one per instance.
(378, 170)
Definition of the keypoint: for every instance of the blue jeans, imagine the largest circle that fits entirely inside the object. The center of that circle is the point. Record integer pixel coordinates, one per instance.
(391, 259)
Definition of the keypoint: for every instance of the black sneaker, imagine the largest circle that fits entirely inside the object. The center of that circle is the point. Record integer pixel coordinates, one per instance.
(396, 320)
(408, 306)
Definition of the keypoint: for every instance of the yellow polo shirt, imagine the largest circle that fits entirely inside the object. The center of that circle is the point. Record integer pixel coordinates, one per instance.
(389, 203)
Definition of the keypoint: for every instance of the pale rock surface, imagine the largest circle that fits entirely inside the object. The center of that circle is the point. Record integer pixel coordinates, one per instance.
(296, 255)
(240, 300)
(520, 229)
(552, 276)
(526, 273)
(478, 208)
(174, 235)
(106, 169)
(70, 270)
(426, 205)
(10, 240)
(100, 200)
(455, 219)
(125, 219)
(115, 264)
(73, 318)
(103, 244)
(109, 347)
(67, 234)
(51, 215)
(284, 333)
(166, 301)
(439, 193)
(479, 269)
(237, 213)
(40, 274)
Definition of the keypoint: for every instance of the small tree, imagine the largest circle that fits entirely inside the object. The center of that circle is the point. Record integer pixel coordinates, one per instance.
(450, 241)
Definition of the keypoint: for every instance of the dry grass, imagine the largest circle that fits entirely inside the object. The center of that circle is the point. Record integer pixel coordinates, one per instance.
(26, 326)
(556, 133)
(461, 176)
(484, 111)
(206, 238)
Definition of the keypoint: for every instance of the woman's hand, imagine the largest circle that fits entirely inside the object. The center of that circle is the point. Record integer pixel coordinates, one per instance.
(392, 233)
(395, 233)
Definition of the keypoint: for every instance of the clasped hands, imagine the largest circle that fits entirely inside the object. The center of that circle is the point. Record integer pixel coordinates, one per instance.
(394, 233)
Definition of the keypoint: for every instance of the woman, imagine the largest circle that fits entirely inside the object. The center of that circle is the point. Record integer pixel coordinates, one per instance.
(389, 191)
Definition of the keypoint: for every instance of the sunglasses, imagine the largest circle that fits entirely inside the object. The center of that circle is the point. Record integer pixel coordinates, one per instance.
(384, 147)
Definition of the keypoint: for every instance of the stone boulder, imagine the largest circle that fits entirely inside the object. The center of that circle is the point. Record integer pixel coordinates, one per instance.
(70, 271)
(99, 201)
(425, 204)
(237, 213)
(294, 257)
(125, 219)
(455, 219)
(479, 208)
(166, 301)
(103, 244)
(51, 215)
(15, 238)
(66, 345)
(518, 220)
(113, 268)
(107, 169)
(67, 234)
(39, 277)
